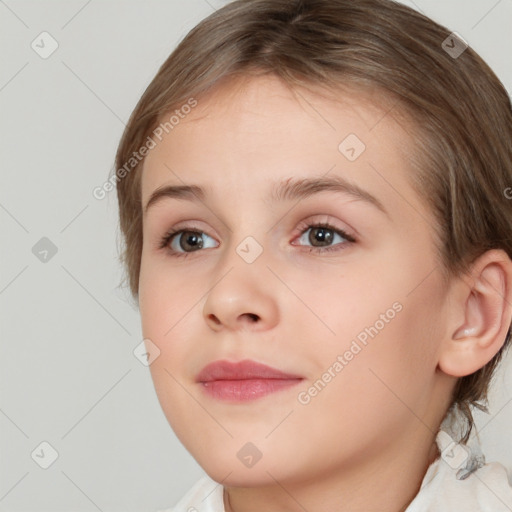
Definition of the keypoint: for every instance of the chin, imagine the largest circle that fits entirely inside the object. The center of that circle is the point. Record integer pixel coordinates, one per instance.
(239, 477)
(230, 472)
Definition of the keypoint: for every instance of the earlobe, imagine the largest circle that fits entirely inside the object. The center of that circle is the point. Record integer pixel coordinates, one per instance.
(485, 297)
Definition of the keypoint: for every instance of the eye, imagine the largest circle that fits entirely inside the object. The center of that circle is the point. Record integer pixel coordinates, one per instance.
(322, 236)
(185, 241)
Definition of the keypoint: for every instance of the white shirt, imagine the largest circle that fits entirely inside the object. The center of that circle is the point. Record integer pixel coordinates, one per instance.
(459, 480)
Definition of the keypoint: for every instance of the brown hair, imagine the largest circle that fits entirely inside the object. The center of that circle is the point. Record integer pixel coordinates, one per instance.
(462, 113)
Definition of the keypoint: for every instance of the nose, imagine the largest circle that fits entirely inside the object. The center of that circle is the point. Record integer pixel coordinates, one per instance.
(243, 298)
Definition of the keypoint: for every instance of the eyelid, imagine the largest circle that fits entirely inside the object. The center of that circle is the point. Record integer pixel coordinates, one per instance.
(328, 222)
(190, 225)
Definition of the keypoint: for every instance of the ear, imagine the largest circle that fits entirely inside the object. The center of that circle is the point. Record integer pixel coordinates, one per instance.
(482, 312)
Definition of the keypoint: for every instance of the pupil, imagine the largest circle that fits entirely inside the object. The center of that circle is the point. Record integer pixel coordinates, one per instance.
(193, 240)
(322, 235)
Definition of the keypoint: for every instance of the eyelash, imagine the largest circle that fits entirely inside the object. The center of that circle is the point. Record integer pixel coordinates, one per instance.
(167, 238)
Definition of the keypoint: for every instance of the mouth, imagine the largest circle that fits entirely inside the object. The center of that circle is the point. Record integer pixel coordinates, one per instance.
(243, 381)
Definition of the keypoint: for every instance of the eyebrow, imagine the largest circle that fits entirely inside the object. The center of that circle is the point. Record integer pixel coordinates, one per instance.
(288, 190)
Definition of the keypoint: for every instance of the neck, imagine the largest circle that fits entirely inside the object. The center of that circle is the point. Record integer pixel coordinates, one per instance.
(387, 483)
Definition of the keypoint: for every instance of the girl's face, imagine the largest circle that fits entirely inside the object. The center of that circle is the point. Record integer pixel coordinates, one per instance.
(305, 250)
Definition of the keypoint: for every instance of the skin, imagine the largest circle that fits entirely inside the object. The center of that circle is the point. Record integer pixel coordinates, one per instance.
(298, 311)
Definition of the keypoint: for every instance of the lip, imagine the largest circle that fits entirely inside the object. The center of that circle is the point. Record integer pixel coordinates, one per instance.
(243, 380)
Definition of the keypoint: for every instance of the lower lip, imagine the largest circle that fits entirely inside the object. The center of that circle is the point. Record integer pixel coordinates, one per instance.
(246, 390)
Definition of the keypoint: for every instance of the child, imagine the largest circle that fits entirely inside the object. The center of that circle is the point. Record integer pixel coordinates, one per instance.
(313, 197)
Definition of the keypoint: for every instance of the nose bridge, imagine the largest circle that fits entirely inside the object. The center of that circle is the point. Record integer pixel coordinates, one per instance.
(248, 253)
(247, 236)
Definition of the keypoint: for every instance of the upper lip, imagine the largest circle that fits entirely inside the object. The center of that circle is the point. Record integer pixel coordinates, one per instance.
(241, 370)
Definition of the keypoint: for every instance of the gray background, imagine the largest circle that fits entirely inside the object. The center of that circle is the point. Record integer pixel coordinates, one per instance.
(68, 373)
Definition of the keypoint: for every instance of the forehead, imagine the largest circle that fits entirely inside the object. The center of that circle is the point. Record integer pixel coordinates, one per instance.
(250, 132)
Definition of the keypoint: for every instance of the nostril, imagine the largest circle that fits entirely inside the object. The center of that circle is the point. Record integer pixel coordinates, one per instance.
(253, 317)
(214, 318)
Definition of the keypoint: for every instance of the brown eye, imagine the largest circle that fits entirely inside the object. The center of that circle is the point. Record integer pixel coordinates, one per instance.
(324, 236)
(188, 240)
(185, 241)
(321, 235)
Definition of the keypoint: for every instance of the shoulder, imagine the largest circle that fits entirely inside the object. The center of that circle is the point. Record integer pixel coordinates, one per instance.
(206, 495)
(485, 490)
(460, 479)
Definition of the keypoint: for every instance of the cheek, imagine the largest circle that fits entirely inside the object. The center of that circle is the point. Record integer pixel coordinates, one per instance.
(384, 319)
(379, 385)
(166, 303)
(166, 296)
